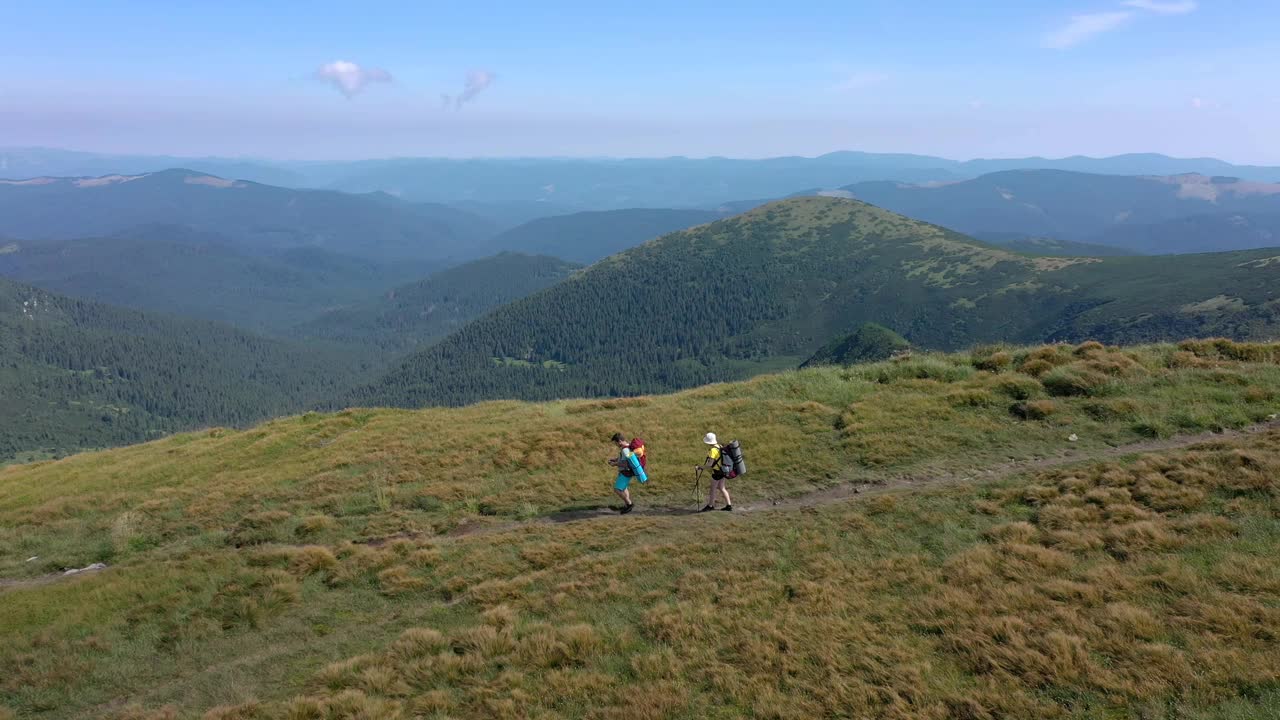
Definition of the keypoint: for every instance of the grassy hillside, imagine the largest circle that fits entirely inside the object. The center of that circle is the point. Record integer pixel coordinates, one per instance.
(76, 374)
(1077, 206)
(768, 288)
(450, 563)
(1055, 247)
(412, 316)
(256, 217)
(589, 236)
(177, 270)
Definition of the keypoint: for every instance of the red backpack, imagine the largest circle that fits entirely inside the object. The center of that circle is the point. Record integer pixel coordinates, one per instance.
(637, 447)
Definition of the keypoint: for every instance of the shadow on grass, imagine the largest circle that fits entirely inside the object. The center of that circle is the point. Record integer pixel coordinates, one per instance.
(586, 512)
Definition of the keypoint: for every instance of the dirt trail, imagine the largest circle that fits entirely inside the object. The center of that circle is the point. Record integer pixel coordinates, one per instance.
(845, 492)
(11, 584)
(887, 483)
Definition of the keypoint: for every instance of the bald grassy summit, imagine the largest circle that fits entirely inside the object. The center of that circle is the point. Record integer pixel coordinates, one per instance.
(767, 288)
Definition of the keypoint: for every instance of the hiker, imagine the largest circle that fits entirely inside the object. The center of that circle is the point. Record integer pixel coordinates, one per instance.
(721, 467)
(628, 464)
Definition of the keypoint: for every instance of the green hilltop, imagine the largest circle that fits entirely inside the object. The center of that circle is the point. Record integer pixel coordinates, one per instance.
(768, 288)
(869, 343)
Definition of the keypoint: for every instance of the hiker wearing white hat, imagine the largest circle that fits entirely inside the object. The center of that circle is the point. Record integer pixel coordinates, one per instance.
(721, 469)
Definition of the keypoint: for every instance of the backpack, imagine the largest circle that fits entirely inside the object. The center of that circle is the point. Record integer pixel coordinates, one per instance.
(637, 447)
(731, 461)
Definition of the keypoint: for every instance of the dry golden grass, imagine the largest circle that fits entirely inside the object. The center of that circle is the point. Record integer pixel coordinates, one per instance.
(305, 568)
(1110, 590)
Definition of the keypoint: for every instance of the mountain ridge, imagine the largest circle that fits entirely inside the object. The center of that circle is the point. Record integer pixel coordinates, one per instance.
(259, 217)
(1068, 205)
(747, 293)
(610, 183)
(586, 237)
(175, 269)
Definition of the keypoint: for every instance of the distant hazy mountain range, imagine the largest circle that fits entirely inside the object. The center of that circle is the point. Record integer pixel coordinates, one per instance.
(252, 216)
(604, 183)
(1167, 214)
(23, 163)
(1198, 233)
(589, 236)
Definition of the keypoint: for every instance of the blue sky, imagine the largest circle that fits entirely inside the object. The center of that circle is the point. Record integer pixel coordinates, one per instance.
(981, 78)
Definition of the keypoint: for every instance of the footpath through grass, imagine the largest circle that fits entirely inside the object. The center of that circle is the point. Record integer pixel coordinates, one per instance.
(242, 583)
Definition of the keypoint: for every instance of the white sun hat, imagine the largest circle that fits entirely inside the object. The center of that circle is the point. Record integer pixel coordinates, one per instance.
(710, 439)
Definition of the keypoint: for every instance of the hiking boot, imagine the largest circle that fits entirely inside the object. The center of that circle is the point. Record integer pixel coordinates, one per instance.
(708, 508)
(727, 508)
(626, 509)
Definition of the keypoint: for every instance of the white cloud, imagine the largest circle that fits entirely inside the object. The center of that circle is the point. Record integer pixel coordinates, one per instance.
(1163, 7)
(1197, 103)
(1084, 27)
(977, 104)
(475, 83)
(349, 78)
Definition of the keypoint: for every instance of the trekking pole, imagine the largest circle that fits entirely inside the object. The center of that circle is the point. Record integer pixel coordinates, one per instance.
(697, 484)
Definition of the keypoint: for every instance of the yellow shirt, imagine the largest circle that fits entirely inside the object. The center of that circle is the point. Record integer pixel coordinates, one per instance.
(713, 454)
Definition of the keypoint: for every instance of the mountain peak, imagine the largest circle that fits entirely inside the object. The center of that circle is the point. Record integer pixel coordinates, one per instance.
(859, 222)
(193, 177)
(171, 175)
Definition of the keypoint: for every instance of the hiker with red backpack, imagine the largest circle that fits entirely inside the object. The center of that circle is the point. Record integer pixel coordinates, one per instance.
(630, 464)
(725, 462)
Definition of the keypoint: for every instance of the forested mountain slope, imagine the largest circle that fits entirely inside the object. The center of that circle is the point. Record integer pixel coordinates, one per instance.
(1197, 233)
(769, 287)
(175, 269)
(1053, 246)
(420, 313)
(76, 374)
